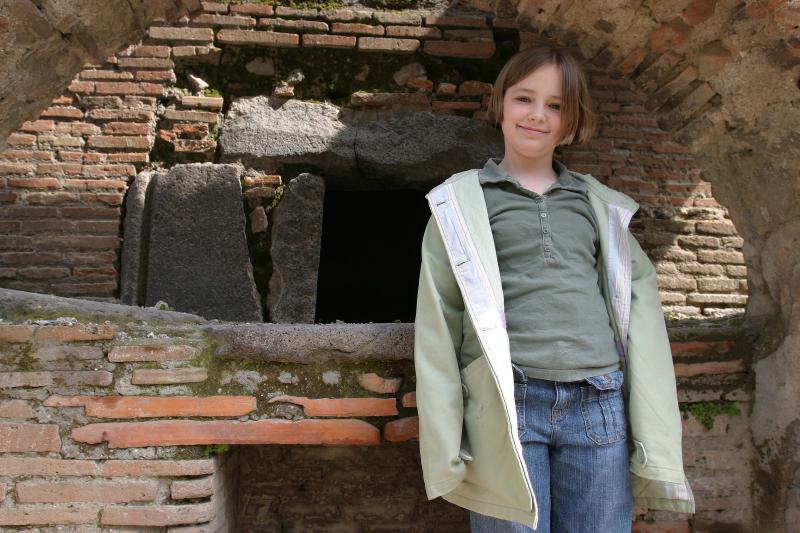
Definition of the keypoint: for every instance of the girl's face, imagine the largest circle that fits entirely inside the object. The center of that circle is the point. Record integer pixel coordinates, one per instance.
(532, 114)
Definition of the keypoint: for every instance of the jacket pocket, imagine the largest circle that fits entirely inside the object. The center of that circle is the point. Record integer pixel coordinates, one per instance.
(603, 409)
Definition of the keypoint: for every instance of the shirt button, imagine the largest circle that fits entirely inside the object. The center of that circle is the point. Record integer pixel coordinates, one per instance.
(544, 215)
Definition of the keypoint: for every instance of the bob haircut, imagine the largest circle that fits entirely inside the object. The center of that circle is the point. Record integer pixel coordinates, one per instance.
(577, 117)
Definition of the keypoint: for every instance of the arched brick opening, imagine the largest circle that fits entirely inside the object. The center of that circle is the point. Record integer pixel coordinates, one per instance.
(723, 79)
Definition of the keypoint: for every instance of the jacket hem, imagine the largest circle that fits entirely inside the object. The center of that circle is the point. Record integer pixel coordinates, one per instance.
(440, 488)
(529, 518)
(664, 504)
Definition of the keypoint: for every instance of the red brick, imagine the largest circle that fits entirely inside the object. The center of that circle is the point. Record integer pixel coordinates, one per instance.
(16, 409)
(669, 36)
(716, 228)
(193, 116)
(414, 32)
(38, 126)
(226, 21)
(214, 7)
(361, 98)
(62, 112)
(162, 515)
(168, 376)
(128, 353)
(22, 140)
(48, 515)
(195, 35)
(720, 257)
(469, 35)
(29, 438)
(374, 383)
(698, 348)
(259, 10)
(267, 180)
(391, 45)
(30, 466)
(342, 407)
(192, 488)
(420, 84)
(398, 17)
(129, 157)
(329, 41)
(16, 333)
(191, 432)
(86, 491)
(463, 21)
(479, 50)
(284, 11)
(672, 526)
(263, 38)
(151, 51)
(128, 88)
(55, 352)
(141, 468)
(402, 429)
(357, 28)
(474, 88)
(409, 399)
(154, 406)
(106, 75)
(709, 368)
(23, 155)
(125, 142)
(82, 87)
(107, 171)
(94, 332)
(134, 115)
(126, 128)
(205, 102)
(16, 168)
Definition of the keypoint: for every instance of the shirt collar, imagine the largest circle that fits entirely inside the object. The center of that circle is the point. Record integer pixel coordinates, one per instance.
(492, 173)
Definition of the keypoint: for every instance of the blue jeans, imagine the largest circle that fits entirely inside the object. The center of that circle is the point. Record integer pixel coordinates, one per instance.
(574, 440)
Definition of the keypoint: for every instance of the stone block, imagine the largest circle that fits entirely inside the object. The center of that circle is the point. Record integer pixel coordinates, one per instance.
(295, 251)
(198, 259)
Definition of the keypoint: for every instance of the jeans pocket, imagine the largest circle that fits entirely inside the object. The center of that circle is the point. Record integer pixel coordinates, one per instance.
(603, 409)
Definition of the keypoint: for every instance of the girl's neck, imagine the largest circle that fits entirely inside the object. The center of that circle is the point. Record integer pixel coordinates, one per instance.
(534, 174)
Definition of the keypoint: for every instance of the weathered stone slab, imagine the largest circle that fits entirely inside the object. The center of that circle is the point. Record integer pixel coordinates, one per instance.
(295, 251)
(132, 274)
(408, 149)
(313, 343)
(263, 130)
(198, 260)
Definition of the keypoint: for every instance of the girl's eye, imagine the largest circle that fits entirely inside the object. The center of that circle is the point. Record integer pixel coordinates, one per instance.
(523, 99)
(557, 107)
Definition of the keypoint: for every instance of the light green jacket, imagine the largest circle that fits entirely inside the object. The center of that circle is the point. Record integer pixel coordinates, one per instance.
(469, 443)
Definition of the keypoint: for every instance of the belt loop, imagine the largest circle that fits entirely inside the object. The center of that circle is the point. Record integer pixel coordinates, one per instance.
(519, 374)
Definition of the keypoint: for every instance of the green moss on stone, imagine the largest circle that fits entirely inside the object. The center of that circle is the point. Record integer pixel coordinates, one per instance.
(706, 412)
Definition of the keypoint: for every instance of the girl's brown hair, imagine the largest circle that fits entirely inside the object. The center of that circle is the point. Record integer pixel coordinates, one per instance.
(577, 117)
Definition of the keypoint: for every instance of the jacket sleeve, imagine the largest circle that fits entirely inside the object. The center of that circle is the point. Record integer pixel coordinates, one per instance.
(437, 343)
(658, 477)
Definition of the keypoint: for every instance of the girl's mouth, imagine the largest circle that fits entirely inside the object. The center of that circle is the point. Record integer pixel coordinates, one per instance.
(534, 131)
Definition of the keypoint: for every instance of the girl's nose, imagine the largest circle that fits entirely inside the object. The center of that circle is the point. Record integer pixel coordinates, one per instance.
(536, 111)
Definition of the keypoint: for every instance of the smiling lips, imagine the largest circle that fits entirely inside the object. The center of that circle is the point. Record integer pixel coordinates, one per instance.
(532, 130)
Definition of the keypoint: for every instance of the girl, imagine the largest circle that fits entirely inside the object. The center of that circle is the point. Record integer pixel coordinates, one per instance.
(545, 387)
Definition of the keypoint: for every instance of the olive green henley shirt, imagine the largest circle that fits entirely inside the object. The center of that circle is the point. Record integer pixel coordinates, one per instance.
(547, 252)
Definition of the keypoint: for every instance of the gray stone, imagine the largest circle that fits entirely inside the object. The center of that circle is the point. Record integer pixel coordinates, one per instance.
(198, 259)
(261, 131)
(331, 377)
(261, 66)
(295, 251)
(410, 149)
(405, 73)
(134, 247)
(313, 343)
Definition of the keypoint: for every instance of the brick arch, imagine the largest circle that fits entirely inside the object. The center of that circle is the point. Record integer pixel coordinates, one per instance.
(45, 44)
(722, 78)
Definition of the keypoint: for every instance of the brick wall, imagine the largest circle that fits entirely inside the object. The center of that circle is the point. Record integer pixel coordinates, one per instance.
(64, 175)
(114, 421)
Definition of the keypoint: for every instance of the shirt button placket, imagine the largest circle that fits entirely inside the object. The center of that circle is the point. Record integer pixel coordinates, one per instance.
(545, 221)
